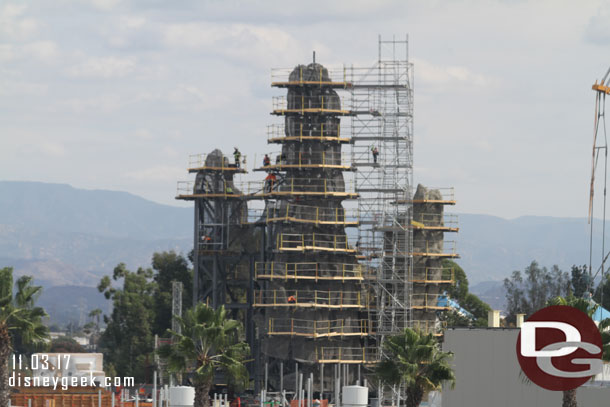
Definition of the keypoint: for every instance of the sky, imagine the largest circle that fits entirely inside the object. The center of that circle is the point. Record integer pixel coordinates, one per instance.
(115, 94)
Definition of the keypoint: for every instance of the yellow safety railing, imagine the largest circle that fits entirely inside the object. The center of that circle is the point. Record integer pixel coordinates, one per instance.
(226, 189)
(253, 189)
(310, 271)
(428, 326)
(437, 195)
(311, 298)
(433, 275)
(277, 133)
(198, 161)
(346, 355)
(314, 241)
(306, 76)
(429, 301)
(317, 328)
(313, 214)
(303, 104)
(300, 159)
(432, 248)
(436, 220)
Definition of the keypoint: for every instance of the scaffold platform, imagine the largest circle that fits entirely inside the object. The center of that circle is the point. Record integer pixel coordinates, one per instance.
(310, 271)
(318, 328)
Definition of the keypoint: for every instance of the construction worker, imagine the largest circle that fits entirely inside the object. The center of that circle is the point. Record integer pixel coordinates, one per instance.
(228, 189)
(237, 156)
(291, 300)
(269, 181)
(266, 160)
(375, 153)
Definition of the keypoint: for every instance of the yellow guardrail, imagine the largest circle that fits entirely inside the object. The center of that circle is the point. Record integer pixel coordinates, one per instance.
(428, 326)
(300, 159)
(310, 271)
(225, 164)
(429, 301)
(433, 275)
(317, 328)
(277, 132)
(310, 298)
(321, 76)
(346, 355)
(448, 220)
(314, 241)
(302, 103)
(282, 186)
(446, 248)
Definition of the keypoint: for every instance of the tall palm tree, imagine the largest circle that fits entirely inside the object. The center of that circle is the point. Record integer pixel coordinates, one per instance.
(19, 314)
(588, 307)
(208, 342)
(414, 359)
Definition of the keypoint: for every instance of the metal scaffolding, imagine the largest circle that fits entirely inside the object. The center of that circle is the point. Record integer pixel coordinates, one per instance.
(382, 152)
(381, 131)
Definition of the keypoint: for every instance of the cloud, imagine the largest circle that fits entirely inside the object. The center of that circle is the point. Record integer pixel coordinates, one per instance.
(6, 52)
(597, 30)
(448, 75)
(13, 24)
(46, 51)
(105, 4)
(51, 149)
(104, 67)
(245, 42)
(158, 173)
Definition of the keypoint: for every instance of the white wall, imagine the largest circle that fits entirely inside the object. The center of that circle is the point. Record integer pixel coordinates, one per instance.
(488, 374)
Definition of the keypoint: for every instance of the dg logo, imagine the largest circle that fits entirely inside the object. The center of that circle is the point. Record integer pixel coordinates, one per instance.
(559, 348)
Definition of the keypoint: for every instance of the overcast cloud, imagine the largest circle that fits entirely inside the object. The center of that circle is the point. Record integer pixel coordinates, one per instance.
(114, 94)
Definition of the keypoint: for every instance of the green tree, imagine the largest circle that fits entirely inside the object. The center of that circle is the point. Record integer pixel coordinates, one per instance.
(170, 267)
(414, 359)
(18, 313)
(65, 344)
(602, 293)
(580, 280)
(526, 294)
(589, 308)
(127, 342)
(208, 342)
(470, 302)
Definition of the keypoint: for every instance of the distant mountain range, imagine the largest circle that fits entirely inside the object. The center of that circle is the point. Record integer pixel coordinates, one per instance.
(67, 237)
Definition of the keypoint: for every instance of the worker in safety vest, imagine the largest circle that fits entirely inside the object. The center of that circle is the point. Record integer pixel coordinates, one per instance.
(291, 300)
(269, 181)
(375, 153)
(237, 156)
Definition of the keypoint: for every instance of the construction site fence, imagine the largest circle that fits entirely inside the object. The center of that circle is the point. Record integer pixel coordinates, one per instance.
(429, 301)
(302, 213)
(281, 185)
(311, 298)
(275, 132)
(311, 271)
(298, 159)
(215, 162)
(303, 102)
(307, 75)
(317, 329)
(313, 241)
(69, 398)
(346, 355)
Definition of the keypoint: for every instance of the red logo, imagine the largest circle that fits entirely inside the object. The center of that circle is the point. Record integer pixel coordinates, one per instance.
(559, 348)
